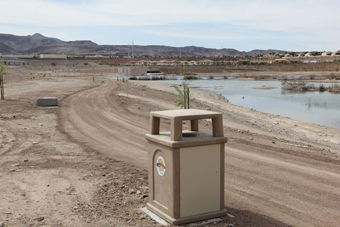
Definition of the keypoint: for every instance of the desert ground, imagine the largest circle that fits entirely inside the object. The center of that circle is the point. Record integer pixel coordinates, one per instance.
(84, 163)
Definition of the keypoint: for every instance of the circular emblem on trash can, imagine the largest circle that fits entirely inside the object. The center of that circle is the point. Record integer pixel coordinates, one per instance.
(160, 165)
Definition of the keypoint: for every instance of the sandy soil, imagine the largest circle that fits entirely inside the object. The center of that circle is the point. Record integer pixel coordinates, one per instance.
(84, 163)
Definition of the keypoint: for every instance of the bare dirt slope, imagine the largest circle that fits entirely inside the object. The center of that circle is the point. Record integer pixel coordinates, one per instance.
(84, 163)
(271, 176)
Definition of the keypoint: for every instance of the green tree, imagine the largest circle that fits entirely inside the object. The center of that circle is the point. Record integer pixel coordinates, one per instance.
(183, 95)
(2, 73)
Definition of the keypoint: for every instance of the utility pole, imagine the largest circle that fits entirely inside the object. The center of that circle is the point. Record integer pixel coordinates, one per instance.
(133, 54)
(2, 73)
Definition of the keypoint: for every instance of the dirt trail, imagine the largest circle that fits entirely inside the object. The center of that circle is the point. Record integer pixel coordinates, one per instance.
(99, 120)
(290, 184)
(84, 163)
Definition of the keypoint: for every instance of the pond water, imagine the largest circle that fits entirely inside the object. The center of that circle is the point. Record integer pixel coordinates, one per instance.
(321, 108)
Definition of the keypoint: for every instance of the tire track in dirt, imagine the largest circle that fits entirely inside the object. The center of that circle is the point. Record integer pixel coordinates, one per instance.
(297, 192)
(292, 188)
(100, 121)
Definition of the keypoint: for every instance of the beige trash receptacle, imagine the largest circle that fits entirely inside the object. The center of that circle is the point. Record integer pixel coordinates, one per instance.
(186, 168)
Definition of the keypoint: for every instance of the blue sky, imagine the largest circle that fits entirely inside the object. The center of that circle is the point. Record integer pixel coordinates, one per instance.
(299, 25)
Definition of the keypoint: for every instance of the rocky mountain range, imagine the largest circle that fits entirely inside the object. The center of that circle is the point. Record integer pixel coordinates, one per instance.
(39, 44)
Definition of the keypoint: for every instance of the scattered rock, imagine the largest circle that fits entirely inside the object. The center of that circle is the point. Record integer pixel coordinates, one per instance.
(230, 216)
(131, 191)
(26, 160)
(144, 196)
(2, 224)
(39, 218)
(16, 164)
(138, 192)
(105, 189)
(35, 143)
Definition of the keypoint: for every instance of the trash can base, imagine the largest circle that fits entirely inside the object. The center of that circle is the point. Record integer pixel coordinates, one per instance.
(185, 220)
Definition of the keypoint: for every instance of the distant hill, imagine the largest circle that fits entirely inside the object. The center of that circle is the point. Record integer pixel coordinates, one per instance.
(38, 35)
(39, 44)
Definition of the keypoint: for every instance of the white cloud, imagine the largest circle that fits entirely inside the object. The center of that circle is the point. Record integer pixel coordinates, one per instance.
(313, 21)
(262, 14)
(218, 35)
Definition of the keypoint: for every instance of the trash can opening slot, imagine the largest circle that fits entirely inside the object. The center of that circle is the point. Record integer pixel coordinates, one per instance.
(189, 134)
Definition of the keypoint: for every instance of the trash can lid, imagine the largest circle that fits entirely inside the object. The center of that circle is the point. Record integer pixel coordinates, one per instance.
(185, 114)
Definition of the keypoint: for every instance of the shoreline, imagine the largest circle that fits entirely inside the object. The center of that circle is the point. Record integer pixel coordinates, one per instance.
(269, 124)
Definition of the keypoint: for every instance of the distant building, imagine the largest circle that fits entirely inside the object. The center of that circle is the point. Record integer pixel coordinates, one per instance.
(154, 72)
(206, 62)
(53, 56)
(95, 56)
(281, 60)
(326, 53)
(26, 56)
(9, 57)
(336, 53)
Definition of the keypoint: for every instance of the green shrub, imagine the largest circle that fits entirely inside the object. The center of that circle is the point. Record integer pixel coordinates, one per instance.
(322, 88)
(335, 89)
(190, 77)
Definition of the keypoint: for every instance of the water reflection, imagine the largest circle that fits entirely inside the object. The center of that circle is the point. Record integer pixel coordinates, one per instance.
(315, 107)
